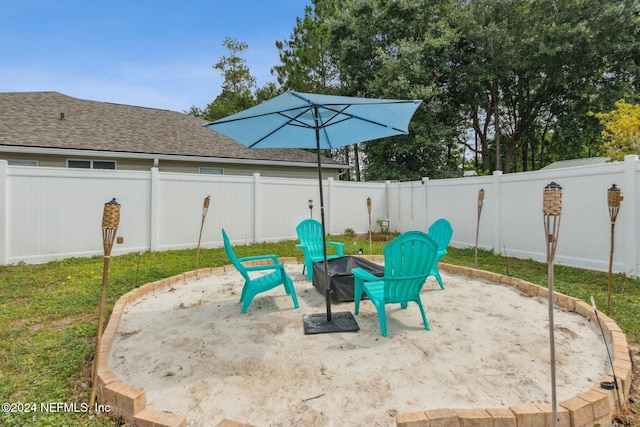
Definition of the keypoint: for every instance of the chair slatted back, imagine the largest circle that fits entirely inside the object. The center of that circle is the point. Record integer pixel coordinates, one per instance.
(441, 232)
(232, 256)
(407, 262)
(310, 234)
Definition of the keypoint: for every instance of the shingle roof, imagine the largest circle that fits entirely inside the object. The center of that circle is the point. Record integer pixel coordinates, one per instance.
(34, 119)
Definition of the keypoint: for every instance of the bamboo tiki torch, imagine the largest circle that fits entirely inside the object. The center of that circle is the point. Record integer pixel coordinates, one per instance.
(370, 239)
(614, 197)
(110, 222)
(552, 210)
(205, 208)
(480, 202)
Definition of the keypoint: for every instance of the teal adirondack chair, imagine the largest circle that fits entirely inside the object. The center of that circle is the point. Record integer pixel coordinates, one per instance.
(407, 262)
(441, 232)
(310, 235)
(256, 285)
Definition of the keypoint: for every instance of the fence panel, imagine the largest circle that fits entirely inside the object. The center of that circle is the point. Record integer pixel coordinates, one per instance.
(407, 206)
(458, 203)
(53, 213)
(283, 203)
(181, 199)
(56, 213)
(349, 206)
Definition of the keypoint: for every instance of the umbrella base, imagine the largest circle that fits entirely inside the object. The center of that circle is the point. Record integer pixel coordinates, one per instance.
(340, 322)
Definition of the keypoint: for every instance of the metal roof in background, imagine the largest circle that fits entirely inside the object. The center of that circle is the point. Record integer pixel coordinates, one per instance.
(589, 161)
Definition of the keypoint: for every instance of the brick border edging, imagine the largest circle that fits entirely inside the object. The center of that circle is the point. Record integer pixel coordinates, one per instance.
(593, 406)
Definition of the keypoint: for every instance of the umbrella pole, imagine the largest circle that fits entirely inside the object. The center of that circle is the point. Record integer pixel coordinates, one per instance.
(327, 286)
(343, 321)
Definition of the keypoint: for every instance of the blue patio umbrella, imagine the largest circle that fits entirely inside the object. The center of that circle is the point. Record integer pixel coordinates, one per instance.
(304, 120)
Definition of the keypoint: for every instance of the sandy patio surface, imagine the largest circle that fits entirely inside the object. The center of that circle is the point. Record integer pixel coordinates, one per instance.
(194, 354)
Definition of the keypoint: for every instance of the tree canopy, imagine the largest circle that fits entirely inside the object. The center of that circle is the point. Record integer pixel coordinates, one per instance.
(621, 130)
(506, 84)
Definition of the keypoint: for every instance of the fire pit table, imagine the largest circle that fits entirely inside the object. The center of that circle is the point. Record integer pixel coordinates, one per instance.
(340, 276)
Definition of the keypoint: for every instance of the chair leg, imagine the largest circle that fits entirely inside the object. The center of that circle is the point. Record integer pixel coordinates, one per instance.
(309, 270)
(291, 290)
(244, 291)
(424, 316)
(382, 318)
(439, 279)
(357, 294)
(246, 301)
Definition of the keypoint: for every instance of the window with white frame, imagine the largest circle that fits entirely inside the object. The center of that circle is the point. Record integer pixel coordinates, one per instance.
(91, 164)
(211, 171)
(22, 162)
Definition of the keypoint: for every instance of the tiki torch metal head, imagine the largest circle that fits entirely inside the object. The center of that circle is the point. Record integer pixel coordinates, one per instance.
(369, 204)
(552, 200)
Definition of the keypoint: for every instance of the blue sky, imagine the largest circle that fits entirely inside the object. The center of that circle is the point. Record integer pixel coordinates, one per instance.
(156, 54)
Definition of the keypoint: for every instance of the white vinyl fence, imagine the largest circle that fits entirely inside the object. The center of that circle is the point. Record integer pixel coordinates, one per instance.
(53, 213)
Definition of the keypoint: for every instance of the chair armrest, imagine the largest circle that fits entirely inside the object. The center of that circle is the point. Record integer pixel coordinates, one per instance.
(264, 267)
(365, 275)
(339, 247)
(271, 257)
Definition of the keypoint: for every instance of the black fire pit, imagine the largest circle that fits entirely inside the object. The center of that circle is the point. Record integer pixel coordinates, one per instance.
(340, 276)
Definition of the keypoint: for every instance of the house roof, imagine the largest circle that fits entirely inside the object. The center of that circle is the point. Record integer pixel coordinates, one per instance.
(51, 120)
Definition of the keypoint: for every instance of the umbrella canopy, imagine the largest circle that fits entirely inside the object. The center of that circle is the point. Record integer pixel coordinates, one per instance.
(304, 120)
(291, 120)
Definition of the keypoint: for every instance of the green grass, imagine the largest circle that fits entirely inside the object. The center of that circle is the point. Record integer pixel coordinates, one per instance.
(49, 315)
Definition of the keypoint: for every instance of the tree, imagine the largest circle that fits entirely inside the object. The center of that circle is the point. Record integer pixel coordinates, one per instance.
(402, 56)
(238, 82)
(621, 132)
(239, 90)
(522, 66)
(307, 65)
(237, 87)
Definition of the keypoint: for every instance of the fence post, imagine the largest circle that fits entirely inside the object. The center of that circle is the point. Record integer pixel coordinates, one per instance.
(387, 202)
(154, 214)
(4, 209)
(630, 207)
(425, 182)
(497, 229)
(256, 207)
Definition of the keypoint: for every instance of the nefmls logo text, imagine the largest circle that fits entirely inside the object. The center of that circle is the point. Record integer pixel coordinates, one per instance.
(71, 407)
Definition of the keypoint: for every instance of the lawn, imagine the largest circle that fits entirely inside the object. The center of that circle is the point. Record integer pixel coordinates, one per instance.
(49, 317)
